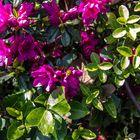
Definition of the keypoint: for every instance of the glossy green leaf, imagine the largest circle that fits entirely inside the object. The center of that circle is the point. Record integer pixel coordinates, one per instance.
(125, 61)
(111, 108)
(95, 58)
(78, 110)
(121, 20)
(132, 34)
(42, 119)
(102, 76)
(112, 23)
(91, 67)
(97, 104)
(119, 32)
(119, 82)
(92, 96)
(137, 8)
(110, 39)
(133, 19)
(125, 51)
(87, 134)
(75, 135)
(136, 61)
(137, 53)
(66, 39)
(41, 99)
(15, 113)
(59, 104)
(85, 90)
(123, 11)
(105, 66)
(52, 33)
(15, 131)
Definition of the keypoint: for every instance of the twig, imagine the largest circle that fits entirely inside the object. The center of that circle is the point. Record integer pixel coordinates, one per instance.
(131, 95)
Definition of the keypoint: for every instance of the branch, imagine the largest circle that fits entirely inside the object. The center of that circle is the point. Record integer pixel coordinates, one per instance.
(131, 95)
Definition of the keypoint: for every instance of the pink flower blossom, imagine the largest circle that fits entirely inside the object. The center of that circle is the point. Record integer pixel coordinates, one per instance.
(4, 16)
(25, 48)
(53, 12)
(90, 9)
(71, 14)
(70, 80)
(88, 43)
(44, 76)
(20, 17)
(5, 54)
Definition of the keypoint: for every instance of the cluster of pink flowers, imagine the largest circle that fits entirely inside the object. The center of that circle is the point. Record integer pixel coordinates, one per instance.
(15, 17)
(46, 76)
(90, 9)
(23, 47)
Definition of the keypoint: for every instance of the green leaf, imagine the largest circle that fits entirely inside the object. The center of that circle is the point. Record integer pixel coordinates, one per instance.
(125, 51)
(105, 66)
(119, 82)
(91, 67)
(87, 134)
(97, 104)
(66, 39)
(15, 113)
(136, 61)
(52, 33)
(95, 58)
(137, 8)
(75, 135)
(42, 119)
(119, 32)
(78, 110)
(133, 19)
(123, 11)
(59, 104)
(41, 99)
(121, 20)
(68, 59)
(137, 53)
(125, 61)
(102, 76)
(110, 39)
(111, 108)
(112, 23)
(92, 96)
(85, 90)
(132, 34)
(15, 131)
(60, 128)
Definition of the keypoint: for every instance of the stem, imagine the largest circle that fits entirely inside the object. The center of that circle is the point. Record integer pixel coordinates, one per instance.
(66, 6)
(131, 95)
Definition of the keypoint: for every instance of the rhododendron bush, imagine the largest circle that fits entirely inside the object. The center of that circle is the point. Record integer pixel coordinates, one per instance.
(69, 69)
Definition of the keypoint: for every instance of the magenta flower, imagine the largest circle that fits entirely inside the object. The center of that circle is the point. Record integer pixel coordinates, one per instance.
(71, 14)
(25, 48)
(5, 54)
(21, 18)
(4, 16)
(53, 12)
(90, 9)
(70, 80)
(44, 76)
(88, 43)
